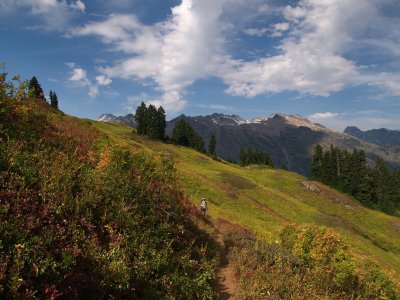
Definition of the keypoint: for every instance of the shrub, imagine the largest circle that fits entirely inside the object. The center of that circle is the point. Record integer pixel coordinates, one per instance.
(81, 217)
(308, 262)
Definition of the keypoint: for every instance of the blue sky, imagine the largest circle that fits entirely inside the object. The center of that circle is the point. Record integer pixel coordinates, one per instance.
(336, 62)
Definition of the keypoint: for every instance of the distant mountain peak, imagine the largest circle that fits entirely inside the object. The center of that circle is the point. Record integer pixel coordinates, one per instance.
(106, 118)
(383, 137)
(128, 119)
(229, 120)
(297, 121)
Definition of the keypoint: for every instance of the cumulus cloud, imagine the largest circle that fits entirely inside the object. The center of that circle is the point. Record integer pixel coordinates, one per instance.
(103, 80)
(78, 77)
(312, 57)
(174, 53)
(79, 74)
(54, 14)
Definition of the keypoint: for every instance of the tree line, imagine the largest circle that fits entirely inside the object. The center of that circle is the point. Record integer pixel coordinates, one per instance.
(377, 187)
(37, 92)
(151, 121)
(252, 156)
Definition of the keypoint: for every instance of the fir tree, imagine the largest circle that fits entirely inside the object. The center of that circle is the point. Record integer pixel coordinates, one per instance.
(161, 122)
(140, 118)
(253, 156)
(377, 187)
(184, 134)
(316, 164)
(53, 99)
(36, 89)
(179, 133)
(212, 146)
(151, 121)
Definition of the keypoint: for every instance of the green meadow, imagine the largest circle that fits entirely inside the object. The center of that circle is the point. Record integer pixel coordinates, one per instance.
(262, 200)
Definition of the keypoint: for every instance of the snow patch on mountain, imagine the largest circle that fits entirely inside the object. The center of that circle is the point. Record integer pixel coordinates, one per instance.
(106, 118)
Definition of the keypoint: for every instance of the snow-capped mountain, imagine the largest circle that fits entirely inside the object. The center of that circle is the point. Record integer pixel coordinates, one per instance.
(289, 139)
(128, 119)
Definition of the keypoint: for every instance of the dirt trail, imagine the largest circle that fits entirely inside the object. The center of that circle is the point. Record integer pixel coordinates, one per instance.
(225, 285)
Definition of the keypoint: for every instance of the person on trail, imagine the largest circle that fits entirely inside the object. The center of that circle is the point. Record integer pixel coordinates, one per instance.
(203, 206)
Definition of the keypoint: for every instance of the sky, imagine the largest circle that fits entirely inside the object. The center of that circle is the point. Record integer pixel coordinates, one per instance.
(336, 62)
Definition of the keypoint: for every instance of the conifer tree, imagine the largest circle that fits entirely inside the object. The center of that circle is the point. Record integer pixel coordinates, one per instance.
(140, 118)
(316, 164)
(212, 146)
(152, 124)
(195, 141)
(35, 87)
(161, 122)
(179, 133)
(253, 156)
(377, 187)
(53, 99)
(184, 134)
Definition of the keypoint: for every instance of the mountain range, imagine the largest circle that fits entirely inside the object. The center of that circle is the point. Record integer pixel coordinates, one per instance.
(289, 139)
(128, 119)
(383, 137)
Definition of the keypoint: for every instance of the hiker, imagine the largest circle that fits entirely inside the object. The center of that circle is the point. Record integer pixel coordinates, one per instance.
(203, 206)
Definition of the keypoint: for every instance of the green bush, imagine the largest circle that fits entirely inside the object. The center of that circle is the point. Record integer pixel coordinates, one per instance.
(308, 262)
(80, 217)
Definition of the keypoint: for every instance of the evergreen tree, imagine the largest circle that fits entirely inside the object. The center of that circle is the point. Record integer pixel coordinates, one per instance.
(179, 133)
(377, 187)
(184, 134)
(140, 118)
(161, 122)
(195, 141)
(151, 121)
(316, 164)
(344, 177)
(36, 89)
(326, 172)
(212, 146)
(53, 99)
(253, 156)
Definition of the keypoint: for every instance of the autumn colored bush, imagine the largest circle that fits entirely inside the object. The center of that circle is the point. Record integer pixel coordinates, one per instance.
(308, 262)
(83, 218)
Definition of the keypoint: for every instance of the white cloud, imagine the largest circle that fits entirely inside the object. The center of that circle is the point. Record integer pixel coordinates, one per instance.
(323, 115)
(79, 74)
(256, 31)
(312, 58)
(55, 14)
(93, 90)
(79, 78)
(365, 120)
(70, 64)
(279, 29)
(103, 80)
(173, 54)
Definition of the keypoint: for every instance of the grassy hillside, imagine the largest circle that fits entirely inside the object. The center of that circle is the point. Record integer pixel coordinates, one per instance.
(263, 200)
(82, 218)
(90, 208)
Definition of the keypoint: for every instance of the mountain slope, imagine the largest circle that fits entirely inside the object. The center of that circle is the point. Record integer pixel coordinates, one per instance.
(289, 139)
(383, 137)
(82, 218)
(262, 200)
